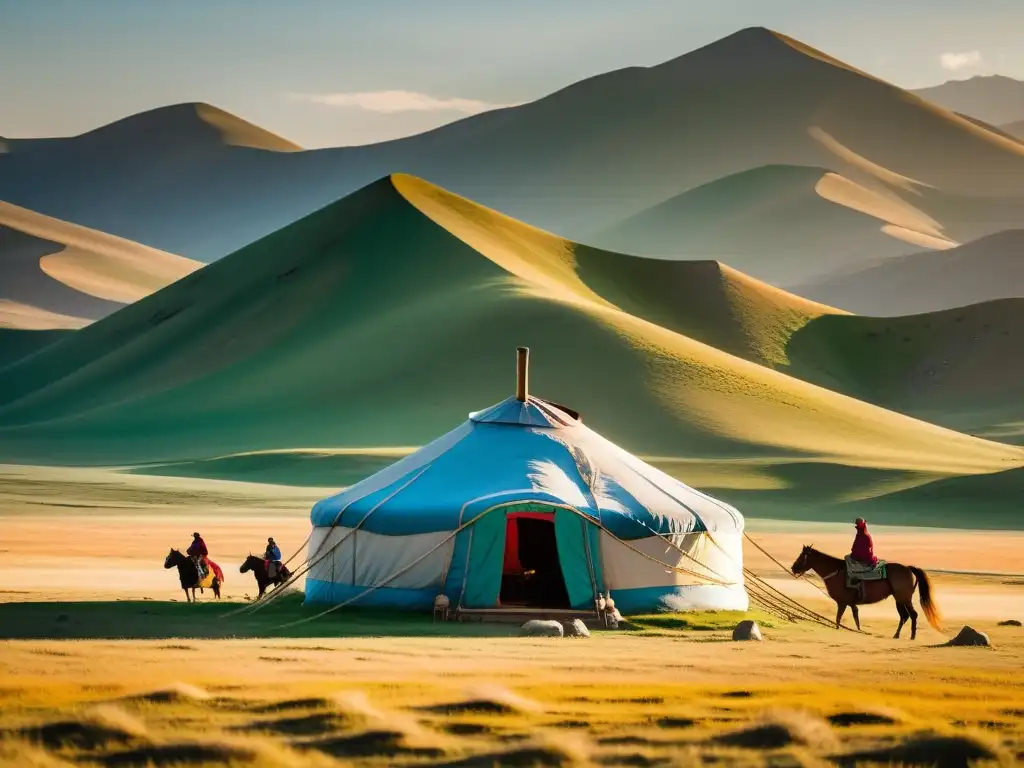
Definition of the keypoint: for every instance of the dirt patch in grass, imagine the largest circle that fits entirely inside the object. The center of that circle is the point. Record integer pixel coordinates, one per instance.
(780, 729)
(177, 754)
(376, 743)
(79, 734)
(928, 749)
(292, 705)
(174, 694)
(305, 725)
(847, 719)
(522, 757)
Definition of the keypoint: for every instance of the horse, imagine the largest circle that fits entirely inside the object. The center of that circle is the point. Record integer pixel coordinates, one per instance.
(188, 574)
(900, 582)
(258, 566)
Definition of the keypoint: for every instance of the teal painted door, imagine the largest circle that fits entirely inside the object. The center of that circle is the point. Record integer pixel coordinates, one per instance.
(579, 557)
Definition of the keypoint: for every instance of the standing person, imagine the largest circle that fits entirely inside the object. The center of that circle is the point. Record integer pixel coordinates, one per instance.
(198, 552)
(273, 558)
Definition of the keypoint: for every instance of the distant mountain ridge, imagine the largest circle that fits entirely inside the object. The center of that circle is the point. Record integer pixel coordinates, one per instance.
(1015, 129)
(985, 269)
(573, 162)
(996, 99)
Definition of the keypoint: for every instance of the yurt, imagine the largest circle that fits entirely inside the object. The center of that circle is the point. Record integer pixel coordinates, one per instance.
(524, 507)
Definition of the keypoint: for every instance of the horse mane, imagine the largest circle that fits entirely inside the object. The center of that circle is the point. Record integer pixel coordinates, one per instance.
(810, 548)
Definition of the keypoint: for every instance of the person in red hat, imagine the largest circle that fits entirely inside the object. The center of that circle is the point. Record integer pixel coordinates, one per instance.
(863, 550)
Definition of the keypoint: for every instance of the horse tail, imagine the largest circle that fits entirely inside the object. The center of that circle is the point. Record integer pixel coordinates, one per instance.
(931, 610)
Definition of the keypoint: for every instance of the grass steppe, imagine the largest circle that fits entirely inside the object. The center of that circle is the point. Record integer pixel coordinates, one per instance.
(102, 663)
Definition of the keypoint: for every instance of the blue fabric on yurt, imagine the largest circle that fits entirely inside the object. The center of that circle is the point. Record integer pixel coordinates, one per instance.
(444, 508)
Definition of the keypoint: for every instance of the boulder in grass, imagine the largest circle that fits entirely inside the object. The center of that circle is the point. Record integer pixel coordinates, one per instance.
(970, 636)
(575, 628)
(1010, 623)
(542, 628)
(747, 630)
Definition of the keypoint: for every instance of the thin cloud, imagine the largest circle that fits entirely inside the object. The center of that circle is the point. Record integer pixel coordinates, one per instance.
(956, 62)
(393, 102)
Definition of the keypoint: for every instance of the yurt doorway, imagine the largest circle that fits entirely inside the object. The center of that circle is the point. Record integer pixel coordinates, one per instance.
(531, 573)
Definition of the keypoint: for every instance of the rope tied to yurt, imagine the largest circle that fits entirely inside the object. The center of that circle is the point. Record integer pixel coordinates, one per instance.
(405, 569)
(806, 613)
(317, 558)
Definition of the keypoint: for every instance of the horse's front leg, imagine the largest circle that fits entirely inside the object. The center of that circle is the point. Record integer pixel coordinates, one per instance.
(839, 615)
(187, 598)
(856, 616)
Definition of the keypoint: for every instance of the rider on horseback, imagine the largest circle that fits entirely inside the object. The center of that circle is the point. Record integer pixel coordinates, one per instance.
(863, 552)
(273, 558)
(198, 552)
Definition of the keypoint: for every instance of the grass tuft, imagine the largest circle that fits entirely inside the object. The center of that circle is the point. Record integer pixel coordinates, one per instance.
(778, 729)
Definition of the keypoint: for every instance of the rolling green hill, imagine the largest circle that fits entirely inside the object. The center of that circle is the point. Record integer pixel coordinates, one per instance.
(380, 320)
(963, 367)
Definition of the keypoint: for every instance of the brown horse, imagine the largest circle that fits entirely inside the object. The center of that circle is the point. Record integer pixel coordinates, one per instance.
(900, 582)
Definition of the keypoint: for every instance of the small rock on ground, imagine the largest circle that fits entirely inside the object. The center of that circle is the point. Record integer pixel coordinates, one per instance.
(575, 628)
(542, 628)
(747, 630)
(970, 636)
(1010, 623)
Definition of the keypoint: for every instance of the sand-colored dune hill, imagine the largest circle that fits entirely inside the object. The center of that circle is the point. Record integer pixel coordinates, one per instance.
(572, 162)
(381, 319)
(775, 219)
(988, 268)
(61, 275)
(174, 126)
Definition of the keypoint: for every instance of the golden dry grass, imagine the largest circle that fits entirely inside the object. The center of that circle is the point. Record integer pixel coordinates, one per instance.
(689, 697)
(674, 691)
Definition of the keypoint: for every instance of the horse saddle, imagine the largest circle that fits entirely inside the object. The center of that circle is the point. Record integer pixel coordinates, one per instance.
(857, 571)
(274, 569)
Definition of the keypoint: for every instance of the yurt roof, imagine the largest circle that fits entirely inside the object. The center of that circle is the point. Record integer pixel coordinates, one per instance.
(524, 450)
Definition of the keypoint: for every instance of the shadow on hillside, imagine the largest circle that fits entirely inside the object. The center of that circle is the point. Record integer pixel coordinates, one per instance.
(153, 620)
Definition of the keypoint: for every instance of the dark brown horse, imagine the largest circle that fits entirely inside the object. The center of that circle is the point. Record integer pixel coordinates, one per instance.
(900, 582)
(188, 574)
(259, 569)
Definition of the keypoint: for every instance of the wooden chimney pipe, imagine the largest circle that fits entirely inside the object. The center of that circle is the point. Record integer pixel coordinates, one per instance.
(522, 372)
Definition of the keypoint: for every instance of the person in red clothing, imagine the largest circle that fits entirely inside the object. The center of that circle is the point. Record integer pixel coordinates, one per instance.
(863, 550)
(198, 552)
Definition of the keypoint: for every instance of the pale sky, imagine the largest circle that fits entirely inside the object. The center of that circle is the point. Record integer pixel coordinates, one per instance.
(336, 72)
